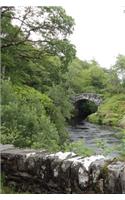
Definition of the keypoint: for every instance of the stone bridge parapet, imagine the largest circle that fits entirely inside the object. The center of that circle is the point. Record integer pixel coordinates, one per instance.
(37, 171)
(96, 98)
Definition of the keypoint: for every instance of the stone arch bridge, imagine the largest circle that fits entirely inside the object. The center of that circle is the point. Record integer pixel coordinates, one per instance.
(96, 98)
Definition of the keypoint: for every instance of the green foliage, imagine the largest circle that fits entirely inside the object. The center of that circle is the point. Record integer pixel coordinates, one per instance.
(25, 121)
(122, 122)
(79, 147)
(43, 74)
(111, 112)
(113, 85)
(30, 114)
(22, 57)
(120, 68)
(95, 118)
(3, 188)
(86, 76)
(62, 109)
(103, 146)
(31, 96)
(121, 147)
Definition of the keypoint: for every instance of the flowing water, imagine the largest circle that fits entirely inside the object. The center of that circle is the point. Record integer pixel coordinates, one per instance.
(101, 139)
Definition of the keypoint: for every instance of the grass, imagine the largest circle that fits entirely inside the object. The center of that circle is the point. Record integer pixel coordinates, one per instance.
(111, 112)
(3, 188)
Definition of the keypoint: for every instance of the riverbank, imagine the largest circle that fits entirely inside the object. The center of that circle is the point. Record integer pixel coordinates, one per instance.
(111, 112)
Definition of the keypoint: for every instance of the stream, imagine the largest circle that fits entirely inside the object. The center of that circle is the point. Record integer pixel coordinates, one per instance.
(100, 139)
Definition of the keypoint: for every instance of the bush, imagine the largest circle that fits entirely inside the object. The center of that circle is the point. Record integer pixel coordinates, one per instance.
(121, 147)
(122, 122)
(111, 112)
(95, 118)
(25, 119)
(79, 147)
(62, 108)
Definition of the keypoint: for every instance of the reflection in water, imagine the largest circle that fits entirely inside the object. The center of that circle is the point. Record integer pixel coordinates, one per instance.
(101, 139)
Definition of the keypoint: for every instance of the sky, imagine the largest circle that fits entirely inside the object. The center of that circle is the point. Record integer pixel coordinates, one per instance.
(100, 27)
(99, 31)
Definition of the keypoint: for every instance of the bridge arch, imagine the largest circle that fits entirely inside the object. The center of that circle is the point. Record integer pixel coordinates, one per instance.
(93, 97)
(85, 104)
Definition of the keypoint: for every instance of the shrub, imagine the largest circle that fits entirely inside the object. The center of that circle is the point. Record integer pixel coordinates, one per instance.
(25, 119)
(79, 147)
(111, 112)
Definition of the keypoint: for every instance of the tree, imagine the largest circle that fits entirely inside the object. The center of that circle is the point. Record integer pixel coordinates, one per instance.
(86, 76)
(112, 83)
(46, 28)
(62, 109)
(25, 118)
(119, 67)
(35, 56)
(35, 46)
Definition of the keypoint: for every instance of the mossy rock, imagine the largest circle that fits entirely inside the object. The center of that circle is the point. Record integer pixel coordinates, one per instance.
(110, 121)
(95, 118)
(122, 122)
(111, 115)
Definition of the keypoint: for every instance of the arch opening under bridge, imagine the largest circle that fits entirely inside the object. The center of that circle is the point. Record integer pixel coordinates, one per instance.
(85, 104)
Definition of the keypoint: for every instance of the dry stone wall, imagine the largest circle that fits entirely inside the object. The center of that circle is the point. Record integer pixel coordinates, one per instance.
(36, 171)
